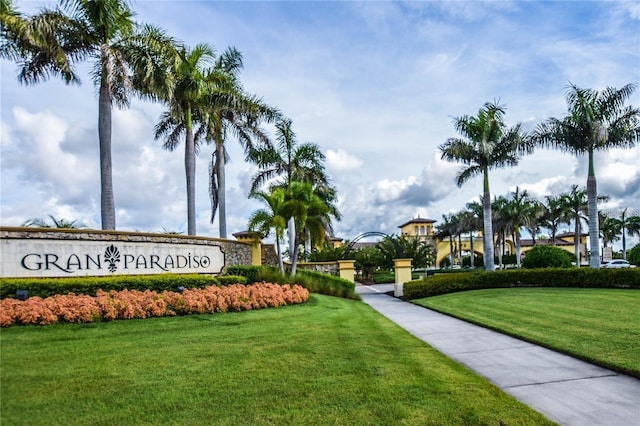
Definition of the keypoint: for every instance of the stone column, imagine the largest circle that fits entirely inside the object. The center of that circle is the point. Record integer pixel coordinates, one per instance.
(403, 275)
(346, 270)
(253, 238)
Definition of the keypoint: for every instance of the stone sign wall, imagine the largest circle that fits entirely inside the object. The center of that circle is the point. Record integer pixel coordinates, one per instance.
(29, 252)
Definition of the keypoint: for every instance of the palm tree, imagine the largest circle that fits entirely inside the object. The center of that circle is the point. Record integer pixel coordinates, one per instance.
(576, 204)
(475, 220)
(535, 222)
(501, 225)
(223, 109)
(522, 211)
(554, 214)
(190, 80)
(308, 212)
(33, 43)
(272, 216)
(486, 144)
(447, 229)
(610, 228)
(239, 114)
(633, 226)
(596, 120)
(630, 224)
(469, 222)
(288, 162)
(56, 223)
(100, 30)
(405, 247)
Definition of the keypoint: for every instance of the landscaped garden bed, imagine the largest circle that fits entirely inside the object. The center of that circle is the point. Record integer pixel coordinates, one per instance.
(128, 304)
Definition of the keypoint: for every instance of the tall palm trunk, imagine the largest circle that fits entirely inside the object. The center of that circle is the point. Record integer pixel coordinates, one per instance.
(576, 241)
(107, 207)
(488, 226)
(500, 245)
(279, 254)
(518, 249)
(222, 197)
(451, 251)
(624, 233)
(293, 253)
(592, 199)
(307, 244)
(473, 253)
(190, 169)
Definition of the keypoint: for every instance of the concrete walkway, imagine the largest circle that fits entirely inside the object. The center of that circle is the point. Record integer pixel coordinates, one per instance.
(566, 390)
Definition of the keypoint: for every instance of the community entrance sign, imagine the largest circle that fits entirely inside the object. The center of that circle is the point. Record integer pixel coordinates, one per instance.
(63, 258)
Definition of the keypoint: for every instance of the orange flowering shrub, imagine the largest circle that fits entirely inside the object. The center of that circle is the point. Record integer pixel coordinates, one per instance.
(126, 304)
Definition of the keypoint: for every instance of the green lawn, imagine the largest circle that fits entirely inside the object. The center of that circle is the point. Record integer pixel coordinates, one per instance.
(330, 361)
(598, 325)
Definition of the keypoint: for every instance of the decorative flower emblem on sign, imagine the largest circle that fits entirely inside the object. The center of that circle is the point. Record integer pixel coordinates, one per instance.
(112, 256)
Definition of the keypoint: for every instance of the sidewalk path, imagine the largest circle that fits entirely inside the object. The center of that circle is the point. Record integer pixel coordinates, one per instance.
(566, 390)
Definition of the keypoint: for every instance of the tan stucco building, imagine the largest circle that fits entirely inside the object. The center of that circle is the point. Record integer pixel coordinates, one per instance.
(424, 229)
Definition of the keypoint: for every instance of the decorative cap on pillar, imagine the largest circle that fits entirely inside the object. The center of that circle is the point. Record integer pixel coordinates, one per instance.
(248, 236)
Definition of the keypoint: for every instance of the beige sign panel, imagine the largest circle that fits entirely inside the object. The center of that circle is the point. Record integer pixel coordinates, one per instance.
(64, 258)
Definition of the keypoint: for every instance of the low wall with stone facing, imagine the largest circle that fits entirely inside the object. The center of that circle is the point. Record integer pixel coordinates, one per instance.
(330, 268)
(43, 252)
(269, 255)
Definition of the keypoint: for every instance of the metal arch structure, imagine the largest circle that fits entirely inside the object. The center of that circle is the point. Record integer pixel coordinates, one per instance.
(364, 235)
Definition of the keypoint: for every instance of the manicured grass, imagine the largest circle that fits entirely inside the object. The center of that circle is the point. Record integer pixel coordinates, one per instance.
(597, 325)
(330, 361)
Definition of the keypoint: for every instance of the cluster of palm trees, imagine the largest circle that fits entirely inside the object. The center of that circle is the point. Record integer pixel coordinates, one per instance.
(614, 228)
(596, 120)
(519, 211)
(298, 195)
(204, 99)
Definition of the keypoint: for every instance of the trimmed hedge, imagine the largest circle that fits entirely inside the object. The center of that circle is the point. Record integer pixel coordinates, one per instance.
(384, 277)
(250, 272)
(45, 287)
(315, 282)
(578, 277)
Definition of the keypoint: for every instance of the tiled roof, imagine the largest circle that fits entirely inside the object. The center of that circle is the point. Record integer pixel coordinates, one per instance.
(570, 234)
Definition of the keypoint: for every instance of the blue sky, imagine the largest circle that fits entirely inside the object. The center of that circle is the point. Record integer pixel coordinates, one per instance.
(375, 84)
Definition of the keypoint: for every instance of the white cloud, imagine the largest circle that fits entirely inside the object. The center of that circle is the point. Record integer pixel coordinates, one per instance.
(340, 160)
(40, 157)
(373, 84)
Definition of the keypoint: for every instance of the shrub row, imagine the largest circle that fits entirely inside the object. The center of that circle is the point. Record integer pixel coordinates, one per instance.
(250, 272)
(46, 287)
(315, 282)
(578, 277)
(127, 304)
